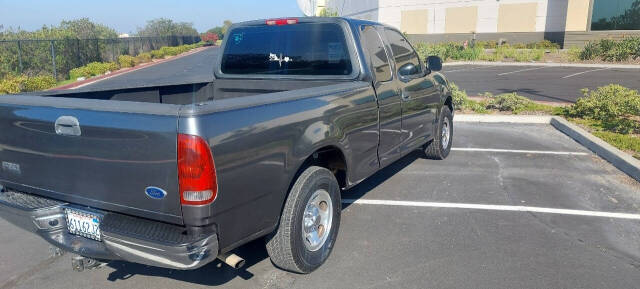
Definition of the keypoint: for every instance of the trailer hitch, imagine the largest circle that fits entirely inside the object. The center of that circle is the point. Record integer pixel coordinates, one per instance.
(79, 263)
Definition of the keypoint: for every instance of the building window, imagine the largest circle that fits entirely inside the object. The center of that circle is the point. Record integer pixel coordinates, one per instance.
(615, 15)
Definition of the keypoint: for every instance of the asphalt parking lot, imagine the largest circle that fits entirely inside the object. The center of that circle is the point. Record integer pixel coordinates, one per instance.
(514, 206)
(556, 84)
(544, 83)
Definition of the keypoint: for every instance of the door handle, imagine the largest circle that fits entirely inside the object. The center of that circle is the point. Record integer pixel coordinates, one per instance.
(404, 96)
(68, 125)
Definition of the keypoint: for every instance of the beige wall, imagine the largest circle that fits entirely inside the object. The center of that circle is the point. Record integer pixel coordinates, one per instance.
(461, 19)
(414, 21)
(517, 17)
(577, 15)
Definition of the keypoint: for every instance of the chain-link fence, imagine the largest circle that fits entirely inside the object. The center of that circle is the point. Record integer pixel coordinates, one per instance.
(58, 57)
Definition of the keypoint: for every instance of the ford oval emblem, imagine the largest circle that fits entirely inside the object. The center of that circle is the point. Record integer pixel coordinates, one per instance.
(155, 193)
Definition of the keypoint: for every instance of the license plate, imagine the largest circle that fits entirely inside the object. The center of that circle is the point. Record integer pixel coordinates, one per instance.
(84, 224)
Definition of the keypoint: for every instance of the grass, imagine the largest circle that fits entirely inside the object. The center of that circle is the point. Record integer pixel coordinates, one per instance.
(457, 51)
(65, 82)
(629, 143)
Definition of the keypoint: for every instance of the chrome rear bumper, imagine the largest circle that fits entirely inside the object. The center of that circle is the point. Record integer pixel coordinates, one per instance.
(123, 237)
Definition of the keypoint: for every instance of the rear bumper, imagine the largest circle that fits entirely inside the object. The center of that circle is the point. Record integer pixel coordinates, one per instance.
(123, 237)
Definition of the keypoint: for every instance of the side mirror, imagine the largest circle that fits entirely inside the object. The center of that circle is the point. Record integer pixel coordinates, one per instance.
(408, 69)
(434, 63)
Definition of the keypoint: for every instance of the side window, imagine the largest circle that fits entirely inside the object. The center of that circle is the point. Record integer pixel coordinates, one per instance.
(374, 47)
(403, 53)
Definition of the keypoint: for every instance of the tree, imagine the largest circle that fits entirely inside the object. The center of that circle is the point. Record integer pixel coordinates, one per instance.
(209, 37)
(83, 28)
(166, 27)
(225, 26)
(221, 30)
(328, 12)
(216, 30)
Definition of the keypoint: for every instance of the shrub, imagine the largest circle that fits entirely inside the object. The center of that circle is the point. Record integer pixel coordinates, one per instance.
(461, 100)
(508, 102)
(610, 50)
(459, 97)
(617, 107)
(11, 84)
(38, 83)
(487, 44)
(174, 50)
(143, 58)
(92, 69)
(126, 61)
(590, 51)
(157, 53)
(544, 44)
(17, 84)
(574, 54)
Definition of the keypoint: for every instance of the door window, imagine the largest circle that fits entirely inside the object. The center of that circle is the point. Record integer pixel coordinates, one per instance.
(403, 53)
(377, 55)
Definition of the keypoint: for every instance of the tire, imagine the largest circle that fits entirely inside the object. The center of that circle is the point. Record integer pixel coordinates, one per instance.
(439, 147)
(287, 246)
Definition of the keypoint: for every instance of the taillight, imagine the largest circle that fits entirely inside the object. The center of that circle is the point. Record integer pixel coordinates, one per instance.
(282, 21)
(196, 171)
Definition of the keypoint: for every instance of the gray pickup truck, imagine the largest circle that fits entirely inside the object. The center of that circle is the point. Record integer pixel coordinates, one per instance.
(176, 176)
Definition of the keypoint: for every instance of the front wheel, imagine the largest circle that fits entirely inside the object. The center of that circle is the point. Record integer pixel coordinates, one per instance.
(440, 146)
(309, 223)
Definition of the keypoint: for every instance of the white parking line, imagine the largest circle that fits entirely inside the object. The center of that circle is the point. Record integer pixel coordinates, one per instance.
(593, 70)
(522, 70)
(466, 69)
(494, 208)
(520, 151)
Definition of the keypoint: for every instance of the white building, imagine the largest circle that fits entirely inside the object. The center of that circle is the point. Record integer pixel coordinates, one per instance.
(570, 21)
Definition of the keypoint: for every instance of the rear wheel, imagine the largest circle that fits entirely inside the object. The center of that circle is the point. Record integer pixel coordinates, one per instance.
(309, 223)
(440, 146)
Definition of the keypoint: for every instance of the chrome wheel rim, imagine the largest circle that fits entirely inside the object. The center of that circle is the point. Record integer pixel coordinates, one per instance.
(445, 133)
(316, 222)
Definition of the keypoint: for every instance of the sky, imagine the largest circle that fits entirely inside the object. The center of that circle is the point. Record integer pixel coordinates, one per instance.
(127, 16)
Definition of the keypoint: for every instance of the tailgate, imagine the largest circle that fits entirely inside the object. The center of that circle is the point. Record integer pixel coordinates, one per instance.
(116, 152)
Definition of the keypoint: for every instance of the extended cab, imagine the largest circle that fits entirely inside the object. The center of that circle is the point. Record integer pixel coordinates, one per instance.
(175, 176)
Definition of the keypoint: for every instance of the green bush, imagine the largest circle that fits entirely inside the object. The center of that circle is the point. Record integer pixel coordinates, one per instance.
(544, 44)
(175, 50)
(92, 69)
(17, 84)
(508, 102)
(617, 107)
(126, 61)
(143, 58)
(487, 44)
(38, 83)
(610, 50)
(461, 100)
(574, 54)
(11, 84)
(590, 51)
(459, 97)
(157, 54)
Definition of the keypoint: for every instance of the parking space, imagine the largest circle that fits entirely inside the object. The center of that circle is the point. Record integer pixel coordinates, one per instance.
(514, 206)
(545, 83)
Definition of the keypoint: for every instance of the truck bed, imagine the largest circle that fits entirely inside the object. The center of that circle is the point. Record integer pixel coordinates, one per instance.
(193, 93)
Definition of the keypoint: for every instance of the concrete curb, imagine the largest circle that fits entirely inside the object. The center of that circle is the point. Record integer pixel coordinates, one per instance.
(585, 65)
(621, 160)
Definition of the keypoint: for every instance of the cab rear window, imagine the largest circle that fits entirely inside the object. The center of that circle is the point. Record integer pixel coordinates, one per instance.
(297, 49)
